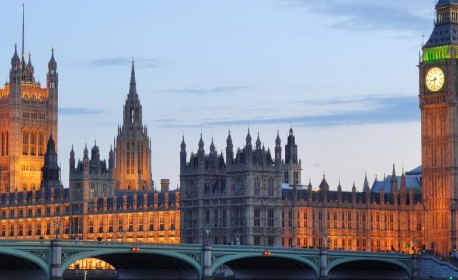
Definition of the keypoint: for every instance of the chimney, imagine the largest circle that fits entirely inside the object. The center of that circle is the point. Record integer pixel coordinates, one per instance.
(165, 185)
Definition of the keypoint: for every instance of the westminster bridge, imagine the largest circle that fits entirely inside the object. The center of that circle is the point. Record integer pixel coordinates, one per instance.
(48, 259)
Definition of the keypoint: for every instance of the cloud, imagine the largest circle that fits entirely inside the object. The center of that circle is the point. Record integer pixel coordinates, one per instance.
(204, 91)
(358, 111)
(367, 15)
(362, 110)
(123, 61)
(79, 111)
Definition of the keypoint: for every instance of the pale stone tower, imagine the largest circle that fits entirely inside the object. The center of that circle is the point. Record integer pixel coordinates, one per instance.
(28, 116)
(92, 177)
(439, 128)
(133, 146)
(238, 200)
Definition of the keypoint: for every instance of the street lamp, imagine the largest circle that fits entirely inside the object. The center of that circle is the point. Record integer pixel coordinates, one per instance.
(207, 233)
(57, 224)
(121, 230)
(323, 239)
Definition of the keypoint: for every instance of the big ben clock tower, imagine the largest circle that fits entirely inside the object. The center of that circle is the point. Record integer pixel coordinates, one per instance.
(439, 128)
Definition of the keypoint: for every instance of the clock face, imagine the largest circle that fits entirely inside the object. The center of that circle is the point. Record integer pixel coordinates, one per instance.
(434, 79)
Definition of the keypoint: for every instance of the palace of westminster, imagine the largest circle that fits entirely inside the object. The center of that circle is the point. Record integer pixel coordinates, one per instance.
(249, 196)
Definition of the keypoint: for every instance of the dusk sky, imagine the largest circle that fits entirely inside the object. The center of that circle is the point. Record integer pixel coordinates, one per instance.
(342, 73)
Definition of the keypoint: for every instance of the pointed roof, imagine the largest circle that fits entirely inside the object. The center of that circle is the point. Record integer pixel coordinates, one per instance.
(15, 59)
(72, 152)
(446, 2)
(324, 183)
(258, 142)
(201, 143)
(248, 136)
(183, 144)
(212, 146)
(445, 26)
(278, 140)
(366, 184)
(52, 64)
(133, 84)
(229, 140)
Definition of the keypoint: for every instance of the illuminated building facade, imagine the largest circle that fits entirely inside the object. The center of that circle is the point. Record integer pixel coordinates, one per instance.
(28, 116)
(90, 208)
(253, 198)
(370, 220)
(248, 197)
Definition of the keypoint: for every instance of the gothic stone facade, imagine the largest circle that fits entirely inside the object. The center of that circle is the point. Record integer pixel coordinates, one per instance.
(239, 199)
(28, 116)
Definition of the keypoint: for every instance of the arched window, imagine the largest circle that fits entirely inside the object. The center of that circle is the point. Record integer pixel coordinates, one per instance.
(33, 142)
(91, 192)
(238, 186)
(270, 187)
(257, 186)
(25, 143)
(41, 143)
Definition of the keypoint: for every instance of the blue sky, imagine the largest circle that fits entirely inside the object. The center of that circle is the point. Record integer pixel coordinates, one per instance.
(342, 73)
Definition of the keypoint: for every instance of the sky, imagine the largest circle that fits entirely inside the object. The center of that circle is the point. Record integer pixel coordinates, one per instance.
(342, 73)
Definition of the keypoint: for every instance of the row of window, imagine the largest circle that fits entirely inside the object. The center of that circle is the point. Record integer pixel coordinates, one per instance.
(34, 115)
(33, 143)
(343, 220)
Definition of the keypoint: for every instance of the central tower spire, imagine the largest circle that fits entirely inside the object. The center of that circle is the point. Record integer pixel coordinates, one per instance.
(133, 146)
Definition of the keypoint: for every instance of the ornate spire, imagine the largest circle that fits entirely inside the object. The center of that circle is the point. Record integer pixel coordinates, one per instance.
(183, 145)
(15, 61)
(366, 184)
(248, 138)
(52, 64)
(133, 84)
(258, 142)
(229, 140)
(278, 140)
(201, 144)
(50, 170)
(212, 147)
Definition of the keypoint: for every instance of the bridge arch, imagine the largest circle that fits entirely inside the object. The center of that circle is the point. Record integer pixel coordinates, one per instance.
(114, 256)
(368, 260)
(227, 259)
(30, 259)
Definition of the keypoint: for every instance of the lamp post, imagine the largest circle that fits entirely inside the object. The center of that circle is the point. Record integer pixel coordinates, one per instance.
(57, 224)
(323, 239)
(121, 230)
(207, 234)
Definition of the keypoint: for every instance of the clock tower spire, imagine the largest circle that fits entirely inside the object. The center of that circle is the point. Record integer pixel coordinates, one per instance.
(438, 75)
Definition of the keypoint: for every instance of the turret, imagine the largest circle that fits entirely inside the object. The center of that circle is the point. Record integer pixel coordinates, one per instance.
(366, 187)
(258, 143)
(50, 170)
(277, 149)
(15, 72)
(291, 148)
(212, 148)
(183, 153)
(111, 160)
(72, 160)
(248, 142)
(394, 181)
(229, 150)
(86, 159)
